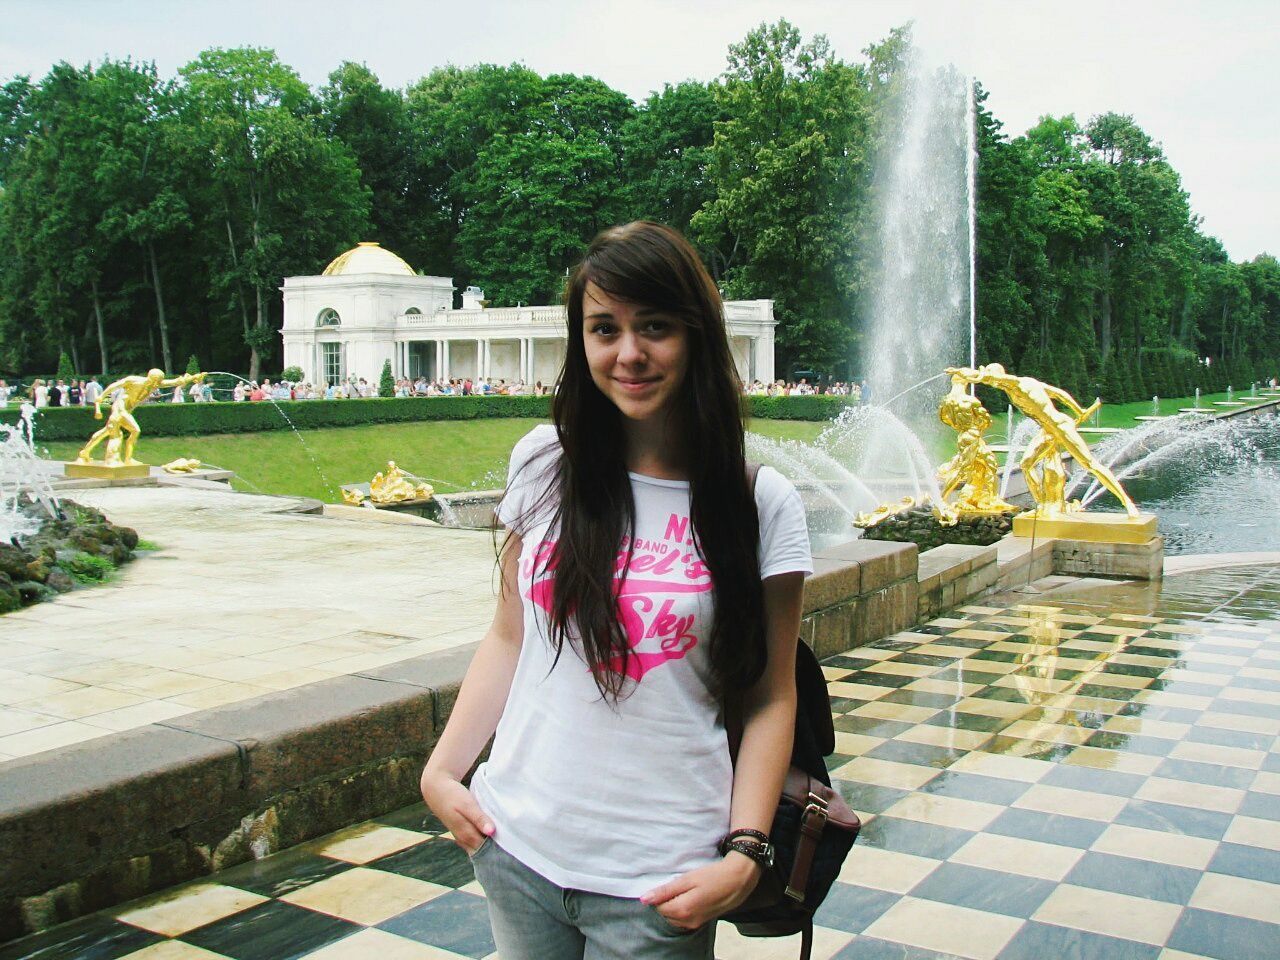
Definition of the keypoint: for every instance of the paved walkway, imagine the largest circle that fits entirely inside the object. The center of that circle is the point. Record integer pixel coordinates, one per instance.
(314, 597)
(1090, 774)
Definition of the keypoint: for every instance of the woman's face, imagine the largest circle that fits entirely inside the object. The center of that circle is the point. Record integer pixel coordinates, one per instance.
(637, 355)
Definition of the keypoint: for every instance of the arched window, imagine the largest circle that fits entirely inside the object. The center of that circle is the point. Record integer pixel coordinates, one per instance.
(328, 318)
(412, 310)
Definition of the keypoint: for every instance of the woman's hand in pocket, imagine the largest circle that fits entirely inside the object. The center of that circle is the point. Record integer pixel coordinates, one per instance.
(457, 809)
(699, 896)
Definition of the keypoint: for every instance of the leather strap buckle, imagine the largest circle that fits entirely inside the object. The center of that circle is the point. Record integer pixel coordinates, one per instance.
(812, 820)
(816, 807)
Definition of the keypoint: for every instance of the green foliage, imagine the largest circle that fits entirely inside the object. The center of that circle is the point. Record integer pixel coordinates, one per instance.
(66, 370)
(144, 544)
(87, 567)
(292, 375)
(386, 383)
(666, 148)
(797, 408)
(193, 364)
(190, 419)
(785, 165)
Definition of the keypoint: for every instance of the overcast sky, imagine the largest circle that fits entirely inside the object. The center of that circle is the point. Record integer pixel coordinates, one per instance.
(1202, 78)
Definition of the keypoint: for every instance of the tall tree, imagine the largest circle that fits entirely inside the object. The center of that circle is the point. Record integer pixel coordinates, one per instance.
(535, 197)
(372, 121)
(785, 166)
(286, 193)
(666, 148)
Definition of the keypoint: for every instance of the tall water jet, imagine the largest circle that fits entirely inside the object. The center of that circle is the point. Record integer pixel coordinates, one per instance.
(971, 182)
(24, 481)
(919, 315)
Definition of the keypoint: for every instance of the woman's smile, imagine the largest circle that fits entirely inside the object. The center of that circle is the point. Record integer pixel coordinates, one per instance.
(635, 385)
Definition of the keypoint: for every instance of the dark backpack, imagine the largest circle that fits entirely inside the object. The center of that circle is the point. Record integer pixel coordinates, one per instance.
(813, 828)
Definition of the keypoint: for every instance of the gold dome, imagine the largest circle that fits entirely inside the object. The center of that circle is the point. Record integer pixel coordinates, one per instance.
(367, 257)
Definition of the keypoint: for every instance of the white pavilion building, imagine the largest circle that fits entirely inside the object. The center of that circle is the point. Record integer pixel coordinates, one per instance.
(369, 307)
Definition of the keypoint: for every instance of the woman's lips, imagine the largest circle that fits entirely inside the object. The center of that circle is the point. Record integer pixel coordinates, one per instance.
(635, 386)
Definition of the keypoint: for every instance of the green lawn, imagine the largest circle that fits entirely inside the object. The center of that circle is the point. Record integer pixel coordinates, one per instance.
(452, 454)
(1122, 414)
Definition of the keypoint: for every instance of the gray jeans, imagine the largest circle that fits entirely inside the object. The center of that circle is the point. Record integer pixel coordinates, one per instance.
(533, 919)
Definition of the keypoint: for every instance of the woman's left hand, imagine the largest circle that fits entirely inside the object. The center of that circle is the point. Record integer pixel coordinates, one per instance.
(699, 896)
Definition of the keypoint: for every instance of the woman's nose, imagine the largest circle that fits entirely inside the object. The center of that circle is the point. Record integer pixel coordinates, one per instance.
(631, 349)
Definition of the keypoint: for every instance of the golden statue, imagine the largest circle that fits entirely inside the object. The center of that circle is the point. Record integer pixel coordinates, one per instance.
(181, 465)
(883, 512)
(1042, 463)
(973, 473)
(121, 430)
(393, 486)
(1043, 469)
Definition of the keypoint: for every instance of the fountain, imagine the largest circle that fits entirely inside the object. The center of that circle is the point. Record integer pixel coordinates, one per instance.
(24, 482)
(1231, 400)
(1155, 412)
(46, 543)
(1196, 408)
(1096, 429)
(920, 311)
(1165, 464)
(971, 474)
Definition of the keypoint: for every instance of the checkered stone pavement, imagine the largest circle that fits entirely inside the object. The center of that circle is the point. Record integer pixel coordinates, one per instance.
(1088, 773)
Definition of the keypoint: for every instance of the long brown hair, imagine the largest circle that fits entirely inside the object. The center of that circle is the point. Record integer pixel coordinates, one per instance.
(590, 502)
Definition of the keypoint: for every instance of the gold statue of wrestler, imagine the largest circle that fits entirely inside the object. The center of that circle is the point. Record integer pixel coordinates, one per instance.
(1042, 463)
(121, 430)
(973, 474)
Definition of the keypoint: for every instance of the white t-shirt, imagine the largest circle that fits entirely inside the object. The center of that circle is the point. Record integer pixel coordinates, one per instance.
(617, 800)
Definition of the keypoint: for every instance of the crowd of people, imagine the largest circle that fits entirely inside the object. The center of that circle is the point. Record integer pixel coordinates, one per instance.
(55, 393)
(80, 393)
(358, 387)
(860, 392)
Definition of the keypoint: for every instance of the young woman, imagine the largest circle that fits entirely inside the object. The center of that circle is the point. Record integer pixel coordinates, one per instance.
(642, 584)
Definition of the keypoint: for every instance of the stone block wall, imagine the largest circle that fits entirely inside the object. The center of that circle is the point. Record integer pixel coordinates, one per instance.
(1125, 561)
(860, 591)
(952, 574)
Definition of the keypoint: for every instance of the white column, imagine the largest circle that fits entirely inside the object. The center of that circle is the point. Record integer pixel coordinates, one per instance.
(444, 360)
(482, 358)
(524, 359)
(439, 370)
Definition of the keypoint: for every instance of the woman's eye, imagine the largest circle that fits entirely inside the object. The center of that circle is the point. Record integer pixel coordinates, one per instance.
(602, 329)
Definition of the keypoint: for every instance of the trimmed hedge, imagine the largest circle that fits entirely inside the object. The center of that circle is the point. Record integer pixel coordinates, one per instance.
(191, 419)
(798, 408)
